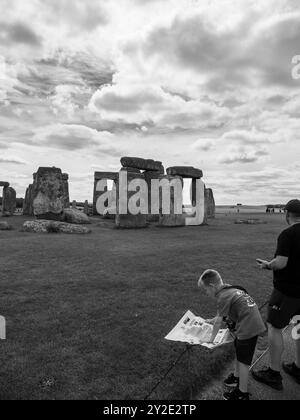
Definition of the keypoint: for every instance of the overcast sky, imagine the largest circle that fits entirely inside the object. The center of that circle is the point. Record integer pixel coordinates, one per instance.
(206, 83)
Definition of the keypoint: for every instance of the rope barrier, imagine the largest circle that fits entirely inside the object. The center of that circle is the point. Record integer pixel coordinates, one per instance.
(187, 349)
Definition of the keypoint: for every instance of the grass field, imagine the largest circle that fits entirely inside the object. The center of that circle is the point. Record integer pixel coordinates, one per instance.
(87, 315)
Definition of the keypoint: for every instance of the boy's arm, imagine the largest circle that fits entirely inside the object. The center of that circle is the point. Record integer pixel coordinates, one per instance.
(218, 321)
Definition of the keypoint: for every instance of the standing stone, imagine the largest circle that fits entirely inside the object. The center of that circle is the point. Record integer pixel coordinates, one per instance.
(172, 219)
(86, 208)
(9, 201)
(74, 205)
(99, 178)
(66, 194)
(128, 220)
(210, 205)
(149, 176)
(48, 196)
(28, 202)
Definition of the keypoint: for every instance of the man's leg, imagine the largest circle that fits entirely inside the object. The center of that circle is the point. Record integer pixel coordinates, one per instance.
(293, 369)
(236, 369)
(298, 353)
(276, 347)
(271, 376)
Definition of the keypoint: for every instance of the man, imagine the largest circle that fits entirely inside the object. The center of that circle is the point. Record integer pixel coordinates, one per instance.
(285, 300)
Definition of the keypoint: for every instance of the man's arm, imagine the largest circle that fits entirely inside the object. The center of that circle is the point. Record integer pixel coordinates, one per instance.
(279, 263)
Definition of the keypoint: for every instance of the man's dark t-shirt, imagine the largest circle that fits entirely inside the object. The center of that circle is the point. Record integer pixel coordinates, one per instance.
(287, 281)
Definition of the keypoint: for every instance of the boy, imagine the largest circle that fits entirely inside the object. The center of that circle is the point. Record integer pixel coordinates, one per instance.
(238, 310)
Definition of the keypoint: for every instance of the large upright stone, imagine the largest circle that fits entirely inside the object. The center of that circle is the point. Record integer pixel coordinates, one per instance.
(66, 194)
(210, 205)
(172, 219)
(124, 218)
(142, 164)
(28, 202)
(48, 196)
(101, 179)
(185, 172)
(9, 201)
(149, 176)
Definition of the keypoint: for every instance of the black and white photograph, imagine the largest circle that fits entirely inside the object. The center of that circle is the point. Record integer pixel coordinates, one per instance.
(149, 203)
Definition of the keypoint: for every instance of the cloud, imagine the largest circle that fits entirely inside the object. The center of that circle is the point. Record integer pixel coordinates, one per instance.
(12, 160)
(142, 104)
(203, 145)
(18, 33)
(78, 14)
(74, 138)
(243, 155)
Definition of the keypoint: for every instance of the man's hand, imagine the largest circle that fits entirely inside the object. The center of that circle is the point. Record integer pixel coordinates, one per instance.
(263, 265)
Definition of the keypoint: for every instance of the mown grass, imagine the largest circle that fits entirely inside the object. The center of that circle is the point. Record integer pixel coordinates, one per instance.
(87, 315)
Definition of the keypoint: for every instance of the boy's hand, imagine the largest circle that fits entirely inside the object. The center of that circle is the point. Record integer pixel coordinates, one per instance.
(211, 321)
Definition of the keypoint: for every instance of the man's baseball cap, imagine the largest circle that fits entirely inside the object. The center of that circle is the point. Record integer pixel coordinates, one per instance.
(293, 206)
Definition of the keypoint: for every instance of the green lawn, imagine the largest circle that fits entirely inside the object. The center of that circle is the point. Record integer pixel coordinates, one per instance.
(87, 315)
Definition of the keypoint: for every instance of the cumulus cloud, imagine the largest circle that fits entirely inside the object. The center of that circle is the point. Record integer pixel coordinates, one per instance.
(74, 138)
(140, 104)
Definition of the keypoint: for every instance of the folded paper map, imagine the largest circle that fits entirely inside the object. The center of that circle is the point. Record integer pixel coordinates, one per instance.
(195, 330)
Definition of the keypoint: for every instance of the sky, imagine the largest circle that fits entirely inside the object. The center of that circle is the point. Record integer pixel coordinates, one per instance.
(204, 83)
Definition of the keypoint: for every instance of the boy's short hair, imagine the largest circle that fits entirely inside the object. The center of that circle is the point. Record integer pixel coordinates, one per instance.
(210, 278)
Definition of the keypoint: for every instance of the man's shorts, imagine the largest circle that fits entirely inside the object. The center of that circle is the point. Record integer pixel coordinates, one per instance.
(282, 310)
(245, 350)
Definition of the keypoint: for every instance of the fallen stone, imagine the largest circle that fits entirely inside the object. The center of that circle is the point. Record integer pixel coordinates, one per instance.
(5, 226)
(76, 217)
(250, 222)
(55, 217)
(142, 164)
(185, 172)
(47, 226)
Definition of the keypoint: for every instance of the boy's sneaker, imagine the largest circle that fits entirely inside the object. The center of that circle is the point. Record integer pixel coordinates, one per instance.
(292, 370)
(236, 395)
(232, 381)
(270, 378)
